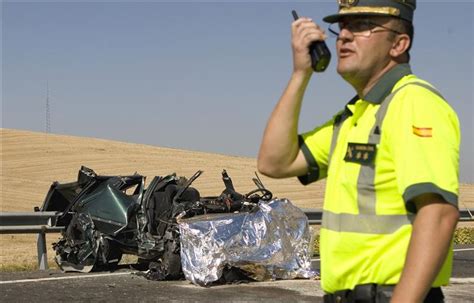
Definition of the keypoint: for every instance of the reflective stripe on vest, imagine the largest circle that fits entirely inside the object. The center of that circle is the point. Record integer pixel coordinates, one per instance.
(367, 221)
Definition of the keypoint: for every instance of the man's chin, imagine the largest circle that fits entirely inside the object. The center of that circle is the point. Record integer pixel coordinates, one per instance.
(345, 71)
(350, 75)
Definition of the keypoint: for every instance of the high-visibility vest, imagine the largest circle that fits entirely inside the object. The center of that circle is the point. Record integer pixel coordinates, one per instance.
(379, 156)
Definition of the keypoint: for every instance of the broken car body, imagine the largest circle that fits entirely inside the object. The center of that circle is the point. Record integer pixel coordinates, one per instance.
(108, 216)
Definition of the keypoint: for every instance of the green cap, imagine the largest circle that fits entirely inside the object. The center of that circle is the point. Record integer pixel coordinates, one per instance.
(402, 9)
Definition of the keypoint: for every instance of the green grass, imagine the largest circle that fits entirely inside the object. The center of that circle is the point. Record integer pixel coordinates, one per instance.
(33, 266)
(464, 235)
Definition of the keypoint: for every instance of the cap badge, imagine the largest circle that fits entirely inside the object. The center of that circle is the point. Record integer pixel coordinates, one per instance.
(347, 3)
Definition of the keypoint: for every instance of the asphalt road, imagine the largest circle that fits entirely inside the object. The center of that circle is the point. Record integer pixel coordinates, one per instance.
(124, 286)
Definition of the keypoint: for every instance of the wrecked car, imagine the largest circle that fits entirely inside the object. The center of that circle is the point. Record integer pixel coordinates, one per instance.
(108, 216)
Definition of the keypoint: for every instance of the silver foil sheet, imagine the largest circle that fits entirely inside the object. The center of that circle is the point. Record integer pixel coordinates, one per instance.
(273, 242)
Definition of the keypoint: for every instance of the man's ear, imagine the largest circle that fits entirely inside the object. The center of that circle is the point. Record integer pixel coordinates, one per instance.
(400, 44)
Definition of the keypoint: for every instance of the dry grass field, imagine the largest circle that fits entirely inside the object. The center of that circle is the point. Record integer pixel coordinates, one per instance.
(31, 161)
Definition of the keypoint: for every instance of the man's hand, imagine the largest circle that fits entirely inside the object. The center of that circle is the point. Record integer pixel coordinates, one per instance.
(304, 32)
(433, 230)
(279, 155)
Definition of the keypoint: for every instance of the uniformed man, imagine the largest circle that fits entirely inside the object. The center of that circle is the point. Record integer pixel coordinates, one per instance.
(390, 157)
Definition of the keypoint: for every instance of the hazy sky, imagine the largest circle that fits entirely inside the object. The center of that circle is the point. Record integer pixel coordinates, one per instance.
(197, 75)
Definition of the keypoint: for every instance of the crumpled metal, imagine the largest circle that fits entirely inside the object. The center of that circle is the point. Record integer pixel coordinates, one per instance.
(273, 242)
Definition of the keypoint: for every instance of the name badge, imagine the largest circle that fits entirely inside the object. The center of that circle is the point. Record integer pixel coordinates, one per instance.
(360, 153)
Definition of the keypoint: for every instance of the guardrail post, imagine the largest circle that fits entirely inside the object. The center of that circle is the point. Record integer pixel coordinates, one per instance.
(42, 252)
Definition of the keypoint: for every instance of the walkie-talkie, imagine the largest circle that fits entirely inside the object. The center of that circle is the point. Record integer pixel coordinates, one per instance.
(319, 52)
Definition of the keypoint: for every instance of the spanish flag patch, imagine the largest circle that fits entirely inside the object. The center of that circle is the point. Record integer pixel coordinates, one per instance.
(423, 131)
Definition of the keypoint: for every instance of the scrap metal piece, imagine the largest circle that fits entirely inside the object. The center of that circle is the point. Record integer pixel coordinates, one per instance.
(78, 250)
(273, 242)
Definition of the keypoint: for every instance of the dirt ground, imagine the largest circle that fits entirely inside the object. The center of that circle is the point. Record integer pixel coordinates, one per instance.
(31, 161)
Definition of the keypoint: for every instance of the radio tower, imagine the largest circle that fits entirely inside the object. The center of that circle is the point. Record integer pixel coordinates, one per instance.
(48, 112)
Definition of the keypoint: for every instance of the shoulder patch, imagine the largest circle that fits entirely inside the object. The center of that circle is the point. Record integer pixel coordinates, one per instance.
(425, 132)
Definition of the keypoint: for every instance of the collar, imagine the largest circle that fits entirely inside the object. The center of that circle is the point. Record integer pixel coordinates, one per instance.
(384, 86)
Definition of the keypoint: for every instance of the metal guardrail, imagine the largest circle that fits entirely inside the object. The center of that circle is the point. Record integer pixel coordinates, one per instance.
(315, 216)
(466, 215)
(45, 222)
(9, 220)
(32, 223)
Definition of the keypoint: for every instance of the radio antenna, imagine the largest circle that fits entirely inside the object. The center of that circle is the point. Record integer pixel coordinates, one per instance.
(48, 110)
